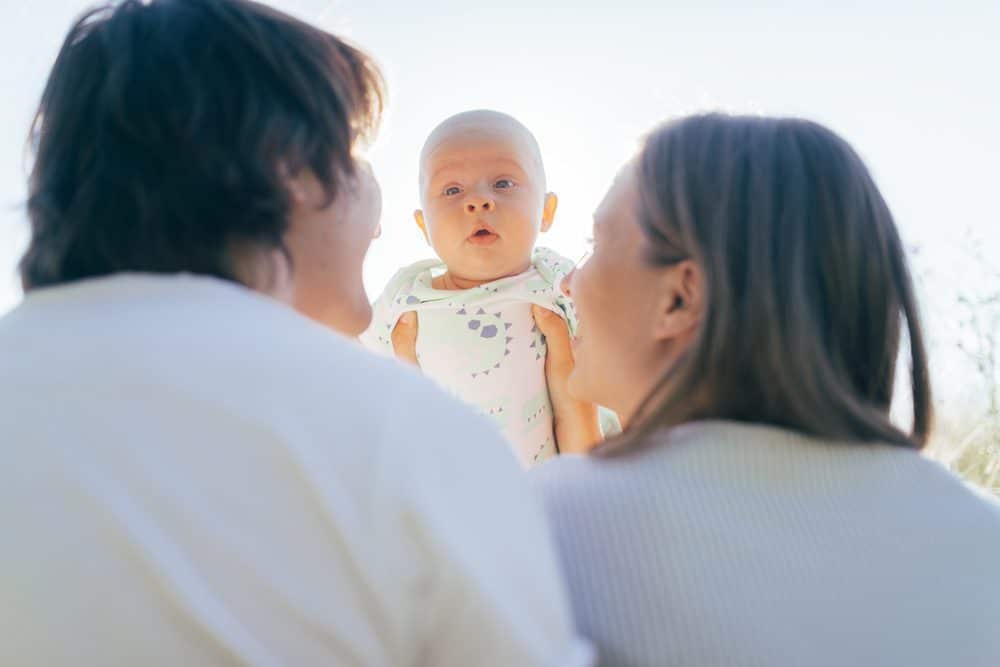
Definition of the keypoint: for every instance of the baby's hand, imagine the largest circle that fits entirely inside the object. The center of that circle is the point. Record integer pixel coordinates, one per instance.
(404, 338)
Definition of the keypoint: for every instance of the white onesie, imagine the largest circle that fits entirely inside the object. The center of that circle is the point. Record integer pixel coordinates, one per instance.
(482, 345)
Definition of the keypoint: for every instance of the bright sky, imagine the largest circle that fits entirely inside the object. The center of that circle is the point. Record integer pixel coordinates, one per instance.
(912, 85)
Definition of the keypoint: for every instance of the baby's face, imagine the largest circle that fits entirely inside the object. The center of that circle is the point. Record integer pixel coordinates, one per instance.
(483, 194)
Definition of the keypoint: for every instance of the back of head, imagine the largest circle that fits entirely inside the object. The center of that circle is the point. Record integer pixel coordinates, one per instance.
(807, 284)
(167, 129)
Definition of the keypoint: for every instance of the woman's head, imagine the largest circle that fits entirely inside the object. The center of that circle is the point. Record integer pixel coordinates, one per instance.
(202, 136)
(748, 268)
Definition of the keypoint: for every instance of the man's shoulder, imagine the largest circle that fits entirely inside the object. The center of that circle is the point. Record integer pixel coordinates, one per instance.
(403, 401)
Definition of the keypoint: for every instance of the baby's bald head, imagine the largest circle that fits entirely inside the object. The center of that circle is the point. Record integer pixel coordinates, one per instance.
(483, 195)
(478, 126)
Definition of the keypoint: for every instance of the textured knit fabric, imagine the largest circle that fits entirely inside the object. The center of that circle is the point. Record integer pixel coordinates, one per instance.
(734, 545)
(482, 345)
(194, 474)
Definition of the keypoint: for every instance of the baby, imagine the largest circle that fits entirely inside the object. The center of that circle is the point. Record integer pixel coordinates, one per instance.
(484, 199)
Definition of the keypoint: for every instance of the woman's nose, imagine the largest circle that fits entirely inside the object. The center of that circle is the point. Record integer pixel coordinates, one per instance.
(564, 283)
(479, 204)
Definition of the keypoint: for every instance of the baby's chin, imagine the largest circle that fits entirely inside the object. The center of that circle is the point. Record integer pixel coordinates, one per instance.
(489, 268)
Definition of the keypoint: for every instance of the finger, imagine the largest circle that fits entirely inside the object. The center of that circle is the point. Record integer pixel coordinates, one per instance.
(404, 338)
(577, 427)
(556, 332)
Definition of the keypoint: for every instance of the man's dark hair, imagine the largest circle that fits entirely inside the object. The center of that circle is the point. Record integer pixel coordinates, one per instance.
(167, 130)
(807, 284)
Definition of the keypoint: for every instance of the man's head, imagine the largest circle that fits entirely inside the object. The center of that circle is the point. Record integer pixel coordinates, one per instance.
(199, 136)
(482, 189)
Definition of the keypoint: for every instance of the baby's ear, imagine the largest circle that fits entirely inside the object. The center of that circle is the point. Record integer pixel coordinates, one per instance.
(418, 215)
(549, 212)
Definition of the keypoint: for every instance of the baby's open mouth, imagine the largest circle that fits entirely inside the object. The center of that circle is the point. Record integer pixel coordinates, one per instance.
(483, 236)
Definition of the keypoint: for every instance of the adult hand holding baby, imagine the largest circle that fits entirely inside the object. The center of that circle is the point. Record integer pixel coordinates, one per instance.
(404, 338)
(576, 423)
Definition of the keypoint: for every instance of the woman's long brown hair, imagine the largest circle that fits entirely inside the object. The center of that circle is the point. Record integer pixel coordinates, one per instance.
(807, 285)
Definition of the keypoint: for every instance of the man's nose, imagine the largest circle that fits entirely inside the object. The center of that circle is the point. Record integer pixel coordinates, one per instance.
(477, 203)
(564, 283)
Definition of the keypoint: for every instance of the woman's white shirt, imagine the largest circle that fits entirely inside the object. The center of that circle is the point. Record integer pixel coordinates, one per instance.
(738, 545)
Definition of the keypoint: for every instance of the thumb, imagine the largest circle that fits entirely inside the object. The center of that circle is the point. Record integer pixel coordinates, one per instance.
(548, 322)
(556, 332)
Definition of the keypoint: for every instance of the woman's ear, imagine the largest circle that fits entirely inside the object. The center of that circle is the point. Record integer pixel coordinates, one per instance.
(680, 308)
(549, 212)
(418, 216)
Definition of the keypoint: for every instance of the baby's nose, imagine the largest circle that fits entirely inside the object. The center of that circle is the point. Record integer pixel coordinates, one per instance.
(479, 204)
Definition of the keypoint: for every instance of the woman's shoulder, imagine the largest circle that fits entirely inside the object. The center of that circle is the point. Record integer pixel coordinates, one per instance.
(571, 483)
(568, 487)
(719, 462)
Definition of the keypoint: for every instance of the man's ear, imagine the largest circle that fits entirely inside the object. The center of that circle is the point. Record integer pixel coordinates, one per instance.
(302, 186)
(418, 215)
(549, 212)
(682, 304)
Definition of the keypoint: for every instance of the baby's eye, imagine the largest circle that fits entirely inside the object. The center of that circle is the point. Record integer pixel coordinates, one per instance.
(504, 184)
(452, 190)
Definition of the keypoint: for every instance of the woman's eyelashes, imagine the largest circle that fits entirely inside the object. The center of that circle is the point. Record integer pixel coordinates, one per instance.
(504, 184)
(451, 190)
